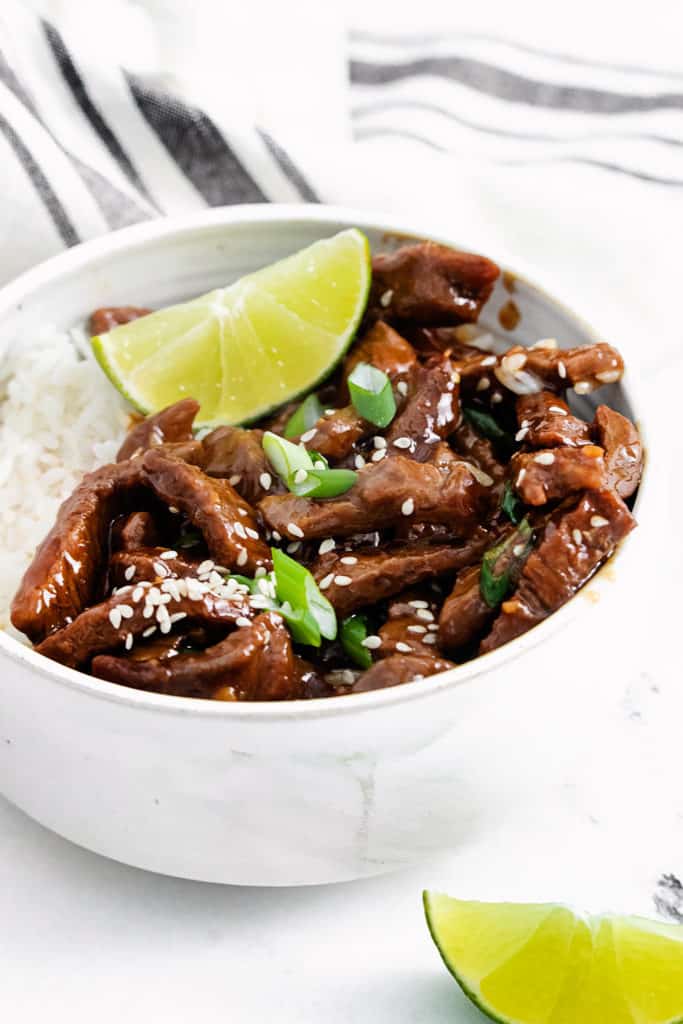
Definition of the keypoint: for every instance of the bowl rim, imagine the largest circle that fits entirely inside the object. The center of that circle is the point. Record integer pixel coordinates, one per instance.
(117, 243)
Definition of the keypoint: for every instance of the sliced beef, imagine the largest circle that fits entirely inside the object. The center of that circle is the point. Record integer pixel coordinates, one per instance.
(465, 614)
(138, 530)
(552, 474)
(431, 412)
(171, 425)
(255, 662)
(573, 545)
(378, 574)
(335, 435)
(105, 626)
(385, 349)
(527, 370)
(237, 455)
(399, 669)
(66, 571)
(411, 627)
(102, 320)
(430, 283)
(545, 421)
(386, 492)
(623, 450)
(227, 523)
(150, 564)
(479, 450)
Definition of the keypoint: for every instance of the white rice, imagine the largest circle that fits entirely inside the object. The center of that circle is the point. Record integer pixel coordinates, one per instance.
(59, 418)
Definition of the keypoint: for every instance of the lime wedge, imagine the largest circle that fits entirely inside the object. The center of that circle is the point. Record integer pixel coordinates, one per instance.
(544, 964)
(247, 348)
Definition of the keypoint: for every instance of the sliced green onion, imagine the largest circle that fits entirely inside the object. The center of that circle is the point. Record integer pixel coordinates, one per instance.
(502, 564)
(297, 589)
(302, 624)
(319, 461)
(486, 424)
(308, 413)
(323, 483)
(285, 458)
(372, 395)
(510, 504)
(352, 633)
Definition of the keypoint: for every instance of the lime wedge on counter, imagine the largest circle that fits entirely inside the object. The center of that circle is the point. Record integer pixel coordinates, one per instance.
(247, 348)
(544, 964)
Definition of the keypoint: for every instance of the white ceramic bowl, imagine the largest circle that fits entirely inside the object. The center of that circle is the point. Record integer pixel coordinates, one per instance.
(254, 794)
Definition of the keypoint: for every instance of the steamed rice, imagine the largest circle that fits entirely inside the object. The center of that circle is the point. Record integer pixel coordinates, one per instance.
(59, 418)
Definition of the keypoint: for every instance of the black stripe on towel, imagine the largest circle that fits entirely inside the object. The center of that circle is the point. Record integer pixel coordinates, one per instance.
(513, 88)
(197, 146)
(60, 218)
(80, 93)
(289, 168)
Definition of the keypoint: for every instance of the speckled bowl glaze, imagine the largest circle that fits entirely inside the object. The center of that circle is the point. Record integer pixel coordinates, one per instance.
(258, 794)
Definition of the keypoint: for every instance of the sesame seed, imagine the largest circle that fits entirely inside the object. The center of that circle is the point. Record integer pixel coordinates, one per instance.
(408, 507)
(403, 648)
(175, 511)
(242, 557)
(330, 412)
(171, 654)
(326, 546)
(402, 388)
(242, 621)
(379, 441)
(424, 614)
(359, 461)
(129, 573)
(165, 555)
(433, 626)
(379, 455)
(129, 641)
(583, 387)
(521, 434)
(483, 384)
(295, 530)
(165, 627)
(252, 533)
(515, 362)
(343, 581)
(608, 376)
(558, 410)
(243, 511)
(518, 550)
(160, 569)
(431, 639)
(418, 604)
(348, 560)
(73, 562)
(125, 611)
(455, 377)
(266, 481)
(148, 611)
(234, 480)
(300, 476)
(597, 521)
(240, 531)
(520, 476)
(326, 581)
(309, 435)
(261, 571)
(544, 458)
(496, 397)
(403, 442)
(561, 369)
(550, 343)
(372, 642)
(386, 297)
(137, 595)
(293, 547)
(162, 614)
(115, 617)
(489, 361)
(205, 566)
(276, 535)
(150, 631)
(577, 536)
(417, 629)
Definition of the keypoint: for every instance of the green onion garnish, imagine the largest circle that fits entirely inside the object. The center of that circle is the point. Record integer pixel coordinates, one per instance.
(297, 591)
(510, 504)
(319, 461)
(352, 633)
(502, 564)
(372, 395)
(485, 424)
(322, 483)
(307, 414)
(285, 458)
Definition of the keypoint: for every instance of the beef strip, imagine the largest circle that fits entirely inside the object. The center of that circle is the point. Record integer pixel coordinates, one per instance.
(526, 370)
(378, 574)
(554, 473)
(428, 283)
(545, 422)
(335, 435)
(479, 450)
(465, 614)
(573, 545)
(103, 319)
(410, 627)
(64, 576)
(138, 530)
(623, 450)
(255, 662)
(147, 564)
(384, 493)
(94, 632)
(399, 669)
(237, 455)
(173, 424)
(214, 507)
(431, 412)
(383, 348)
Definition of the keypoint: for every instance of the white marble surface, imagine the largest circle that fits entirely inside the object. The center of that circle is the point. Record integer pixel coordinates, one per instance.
(83, 937)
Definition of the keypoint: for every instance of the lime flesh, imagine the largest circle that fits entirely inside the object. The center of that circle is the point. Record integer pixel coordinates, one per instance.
(544, 964)
(243, 350)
